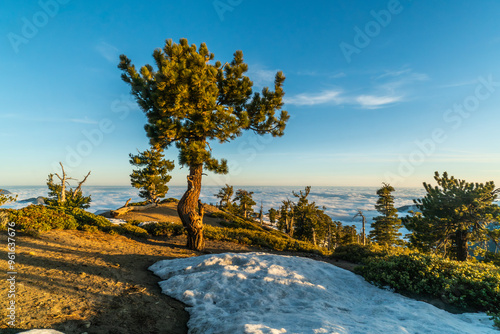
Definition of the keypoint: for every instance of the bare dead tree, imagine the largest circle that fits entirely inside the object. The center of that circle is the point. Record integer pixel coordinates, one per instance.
(363, 218)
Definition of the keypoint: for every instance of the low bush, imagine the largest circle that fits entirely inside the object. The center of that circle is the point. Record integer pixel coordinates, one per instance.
(233, 221)
(169, 200)
(259, 238)
(357, 253)
(85, 218)
(129, 229)
(138, 203)
(4, 220)
(164, 229)
(41, 218)
(493, 258)
(361, 253)
(464, 284)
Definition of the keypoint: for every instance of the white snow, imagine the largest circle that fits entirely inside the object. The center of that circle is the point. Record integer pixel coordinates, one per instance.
(261, 293)
(116, 221)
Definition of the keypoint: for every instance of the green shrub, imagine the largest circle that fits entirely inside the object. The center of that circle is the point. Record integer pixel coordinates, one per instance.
(259, 238)
(134, 222)
(464, 284)
(4, 220)
(164, 229)
(232, 221)
(89, 228)
(360, 254)
(129, 229)
(138, 203)
(169, 200)
(493, 258)
(41, 218)
(496, 319)
(357, 253)
(85, 218)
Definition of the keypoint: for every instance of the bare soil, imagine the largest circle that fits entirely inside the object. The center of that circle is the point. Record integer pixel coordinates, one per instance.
(81, 282)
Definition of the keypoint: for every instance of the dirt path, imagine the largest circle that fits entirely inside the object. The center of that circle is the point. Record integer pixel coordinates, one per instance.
(78, 282)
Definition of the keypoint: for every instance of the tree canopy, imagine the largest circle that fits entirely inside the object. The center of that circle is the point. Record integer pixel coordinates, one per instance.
(225, 194)
(385, 228)
(152, 175)
(246, 202)
(453, 215)
(192, 102)
(189, 101)
(61, 194)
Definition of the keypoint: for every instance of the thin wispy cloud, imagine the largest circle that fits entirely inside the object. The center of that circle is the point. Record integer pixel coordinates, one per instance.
(394, 73)
(108, 51)
(325, 97)
(460, 84)
(261, 77)
(387, 89)
(392, 82)
(376, 102)
(339, 75)
(336, 75)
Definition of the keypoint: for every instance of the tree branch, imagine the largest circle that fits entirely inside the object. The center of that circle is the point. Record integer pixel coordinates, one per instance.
(78, 189)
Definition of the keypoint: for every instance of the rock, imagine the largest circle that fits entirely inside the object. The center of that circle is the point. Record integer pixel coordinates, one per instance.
(34, 200)
(408, 208)
(104, 213)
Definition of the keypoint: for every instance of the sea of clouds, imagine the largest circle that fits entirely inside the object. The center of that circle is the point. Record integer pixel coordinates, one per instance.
(340, 203)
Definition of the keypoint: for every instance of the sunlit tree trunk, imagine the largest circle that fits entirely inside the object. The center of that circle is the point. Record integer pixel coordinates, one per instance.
(190, 210)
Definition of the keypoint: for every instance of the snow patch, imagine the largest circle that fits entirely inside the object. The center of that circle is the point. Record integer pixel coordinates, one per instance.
(260, 293)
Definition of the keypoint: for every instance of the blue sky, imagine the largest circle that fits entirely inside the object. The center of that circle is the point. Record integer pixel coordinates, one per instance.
(378, 91)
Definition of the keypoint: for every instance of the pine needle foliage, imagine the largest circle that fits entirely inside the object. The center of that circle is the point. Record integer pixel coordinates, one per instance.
(152, 176)
(385, 228)
(453, 215)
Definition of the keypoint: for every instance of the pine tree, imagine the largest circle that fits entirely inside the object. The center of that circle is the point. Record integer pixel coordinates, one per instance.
(286, 217)
(152, 176)
(246, 202)
(60, 195)
(273, 215)
(225, 194)
(310, 222)
(453, 214)
(385, 229)
(191, 102)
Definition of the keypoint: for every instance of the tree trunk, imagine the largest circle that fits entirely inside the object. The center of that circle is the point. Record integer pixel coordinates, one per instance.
(364, 235)
(191, 210)
(461, 243)
(290, 227)
(125, 209)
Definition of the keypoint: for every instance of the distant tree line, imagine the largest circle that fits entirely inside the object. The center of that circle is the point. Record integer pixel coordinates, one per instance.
(452, 218)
